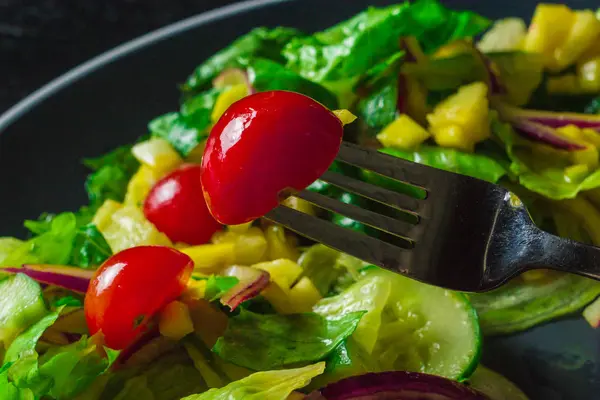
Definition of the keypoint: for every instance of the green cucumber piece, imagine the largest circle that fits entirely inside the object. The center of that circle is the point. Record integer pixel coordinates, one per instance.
(409, 326)
(494, 385)
(21, 304)
(520, 305)
(433, 330)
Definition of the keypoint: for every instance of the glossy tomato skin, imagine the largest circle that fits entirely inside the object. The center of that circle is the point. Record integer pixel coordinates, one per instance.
(132, 286)
(176, 206)
(263, 145)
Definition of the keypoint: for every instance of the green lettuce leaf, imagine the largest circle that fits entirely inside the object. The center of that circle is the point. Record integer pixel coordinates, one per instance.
(89, 247)
(111, 175)
(268, 385)
(186, 129)
(267, 75)
(260, 42)
(519, 305)
(378, 109)
(170, 376)
(63, 242)
(540, 175)
(476, 165)
(369, 295)
(338, 56)
(60, 373)
(7, 246)
(263, 342)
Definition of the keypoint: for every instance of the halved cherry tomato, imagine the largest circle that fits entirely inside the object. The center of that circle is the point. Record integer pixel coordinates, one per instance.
(131, 287)
(266, 145)
(176, 206)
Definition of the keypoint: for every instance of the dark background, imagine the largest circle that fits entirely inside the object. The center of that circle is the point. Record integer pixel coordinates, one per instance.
(41, 39)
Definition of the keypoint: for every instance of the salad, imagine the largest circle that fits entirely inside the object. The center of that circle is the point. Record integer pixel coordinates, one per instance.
(142, 293)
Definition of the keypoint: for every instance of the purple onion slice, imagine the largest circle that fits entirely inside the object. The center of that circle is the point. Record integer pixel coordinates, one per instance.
(252, 281)
(71, 278)
(396, 385)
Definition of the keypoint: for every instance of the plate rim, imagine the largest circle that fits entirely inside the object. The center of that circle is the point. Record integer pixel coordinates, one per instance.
(22, 107)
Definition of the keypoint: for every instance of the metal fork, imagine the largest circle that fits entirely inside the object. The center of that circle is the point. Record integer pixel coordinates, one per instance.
(469, 235)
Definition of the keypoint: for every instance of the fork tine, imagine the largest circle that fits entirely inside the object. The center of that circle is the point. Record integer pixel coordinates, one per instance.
(367, 217)
(357, 244)
(384, 196)
(384, 164)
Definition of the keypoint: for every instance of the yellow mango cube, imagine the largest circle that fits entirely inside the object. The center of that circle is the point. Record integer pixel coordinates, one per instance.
(345, 116)
(278, 246)
(304, 295)
(283, 272)
(462, 120)
(550, 25)
(174, 321)
(403, 133)
(250, 247)
(583, 33)
(211, 257)
(128, 227)
(104, 213)
(229, 96)
(157, 154)
(278, 298)
(140, 184)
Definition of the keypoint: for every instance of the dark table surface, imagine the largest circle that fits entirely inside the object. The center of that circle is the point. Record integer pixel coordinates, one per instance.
(41, 39)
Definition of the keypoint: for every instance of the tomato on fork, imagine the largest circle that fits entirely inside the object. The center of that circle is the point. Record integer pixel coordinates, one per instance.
(265, 147)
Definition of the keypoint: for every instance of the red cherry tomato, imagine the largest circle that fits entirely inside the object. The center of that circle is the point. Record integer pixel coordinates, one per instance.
(132, 286)
(262, 146)
(176, 206)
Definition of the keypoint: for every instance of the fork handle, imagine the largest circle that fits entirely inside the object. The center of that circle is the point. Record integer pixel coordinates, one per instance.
(548, 251)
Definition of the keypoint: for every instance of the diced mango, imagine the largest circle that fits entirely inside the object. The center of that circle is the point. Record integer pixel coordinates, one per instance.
(128, 227)
(587, 156)
(283, 272)
(209, 321)
(583, 33)
(278, 246)
(462, 120)
(299, 204)
(403, 133)
(304, 295)
(229, 96)
(345, 116)
(174, 321)
(158, 155)
(454, 48)
(211, 257)
(104, 213)
(505, 35)
(195, 290)
(140, 184)
(250, 247)
(226, 236)
(278, 298)
(548, 30)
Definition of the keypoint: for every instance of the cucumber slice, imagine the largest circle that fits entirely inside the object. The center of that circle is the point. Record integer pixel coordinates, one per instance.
(21, 304)
(494, 385)
(428, 329)
(410, 326)
(519, 305)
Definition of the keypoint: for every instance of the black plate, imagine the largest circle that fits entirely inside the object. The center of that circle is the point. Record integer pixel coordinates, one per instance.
(108, 101)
